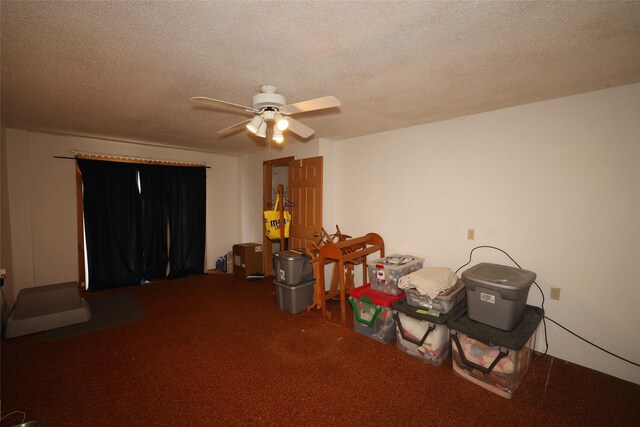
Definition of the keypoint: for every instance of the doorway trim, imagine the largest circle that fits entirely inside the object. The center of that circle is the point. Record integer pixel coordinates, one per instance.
(267, 182)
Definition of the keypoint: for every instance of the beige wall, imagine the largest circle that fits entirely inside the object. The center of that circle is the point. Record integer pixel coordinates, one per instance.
(556, 184)
(42, 202)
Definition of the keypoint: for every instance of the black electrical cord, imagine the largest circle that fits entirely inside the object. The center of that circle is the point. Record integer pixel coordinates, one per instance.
(497, 249)
(24, 415)
(595, 345)
(542, 306)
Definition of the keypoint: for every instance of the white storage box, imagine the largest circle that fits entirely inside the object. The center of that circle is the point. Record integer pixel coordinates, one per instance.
(441, 304)
(384, 273)
(493, 359)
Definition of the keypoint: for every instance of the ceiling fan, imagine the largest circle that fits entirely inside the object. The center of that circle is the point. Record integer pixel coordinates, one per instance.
(271, 113)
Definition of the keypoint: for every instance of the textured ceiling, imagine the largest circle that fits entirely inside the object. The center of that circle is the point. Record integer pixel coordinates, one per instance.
(126, 70)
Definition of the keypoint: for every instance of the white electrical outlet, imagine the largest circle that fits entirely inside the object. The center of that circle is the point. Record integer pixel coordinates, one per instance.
(555, 294)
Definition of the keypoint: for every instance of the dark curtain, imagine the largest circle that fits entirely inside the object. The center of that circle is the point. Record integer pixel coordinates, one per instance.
(153, 191)
(187, 211)
(112, 212)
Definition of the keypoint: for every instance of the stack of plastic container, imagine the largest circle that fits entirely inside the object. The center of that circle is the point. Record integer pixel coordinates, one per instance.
(493, 342)
(421, 323)
(423, 335)
(372, 315)
(424, 332)
(294, 280)
(371, 303)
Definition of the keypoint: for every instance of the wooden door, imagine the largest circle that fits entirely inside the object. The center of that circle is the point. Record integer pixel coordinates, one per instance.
(305, 192)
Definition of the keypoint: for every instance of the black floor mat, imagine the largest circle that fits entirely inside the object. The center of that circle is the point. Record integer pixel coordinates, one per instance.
(106, 312)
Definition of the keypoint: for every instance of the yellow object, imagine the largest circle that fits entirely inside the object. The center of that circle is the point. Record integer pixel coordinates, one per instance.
(272, 222)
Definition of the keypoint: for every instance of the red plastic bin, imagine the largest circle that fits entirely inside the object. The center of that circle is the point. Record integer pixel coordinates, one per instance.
(372, 314)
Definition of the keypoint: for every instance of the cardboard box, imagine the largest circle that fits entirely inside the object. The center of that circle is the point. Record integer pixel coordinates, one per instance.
(230, 262)
(247, 260)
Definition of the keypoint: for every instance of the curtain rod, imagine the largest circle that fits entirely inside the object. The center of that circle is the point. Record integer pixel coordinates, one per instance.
(128, 159)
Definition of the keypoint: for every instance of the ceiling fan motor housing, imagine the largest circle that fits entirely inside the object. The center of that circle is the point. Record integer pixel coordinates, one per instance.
(262, 101)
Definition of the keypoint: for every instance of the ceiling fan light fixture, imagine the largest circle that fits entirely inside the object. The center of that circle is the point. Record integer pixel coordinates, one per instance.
(277, 135)
(262, 130)
(281, 122)
(254, 124)
(268, 115)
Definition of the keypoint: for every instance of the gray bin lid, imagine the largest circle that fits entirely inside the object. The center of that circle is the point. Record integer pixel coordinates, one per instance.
(292, 254)
(499, 276)
(514, 339)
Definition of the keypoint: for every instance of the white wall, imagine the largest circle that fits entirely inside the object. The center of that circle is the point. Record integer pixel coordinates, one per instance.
(556, 184)
(42, 202)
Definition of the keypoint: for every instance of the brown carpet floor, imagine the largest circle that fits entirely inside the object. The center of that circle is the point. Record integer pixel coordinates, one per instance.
(213, 350)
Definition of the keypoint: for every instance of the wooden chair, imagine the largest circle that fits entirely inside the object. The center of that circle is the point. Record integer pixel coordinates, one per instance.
(346, 253)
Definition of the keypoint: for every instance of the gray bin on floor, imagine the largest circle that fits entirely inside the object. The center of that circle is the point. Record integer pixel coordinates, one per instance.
(293, 267)
(294, 299)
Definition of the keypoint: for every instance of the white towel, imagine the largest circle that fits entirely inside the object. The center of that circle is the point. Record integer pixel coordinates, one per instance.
(431, 281)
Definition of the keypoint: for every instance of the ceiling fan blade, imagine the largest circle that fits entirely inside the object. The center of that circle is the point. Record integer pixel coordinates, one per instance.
(205, 100)
(233, 128)
(299, 129)
(311, 105)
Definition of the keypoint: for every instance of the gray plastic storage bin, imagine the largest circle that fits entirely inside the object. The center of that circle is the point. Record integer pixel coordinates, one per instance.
(292, 267)
(294, 299)
(497, 294)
